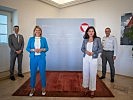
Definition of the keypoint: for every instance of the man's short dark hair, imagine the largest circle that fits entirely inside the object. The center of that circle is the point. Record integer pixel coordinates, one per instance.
(16, 26)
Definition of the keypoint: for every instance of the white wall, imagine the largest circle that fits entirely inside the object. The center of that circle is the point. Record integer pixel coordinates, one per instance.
(27, 11)
(107, 13)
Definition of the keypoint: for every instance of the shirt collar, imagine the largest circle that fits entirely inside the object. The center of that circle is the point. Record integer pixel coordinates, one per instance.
(37, 37)
(109, 36)
(16, 34)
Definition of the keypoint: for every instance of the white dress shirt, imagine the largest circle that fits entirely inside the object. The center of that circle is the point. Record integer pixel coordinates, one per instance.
(17, 36)
(37, 44)
(109, 44)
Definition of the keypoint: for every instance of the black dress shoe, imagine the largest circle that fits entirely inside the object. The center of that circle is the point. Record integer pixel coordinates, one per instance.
(112, 80)
(20, 75)
(12, 78)
(102, 77)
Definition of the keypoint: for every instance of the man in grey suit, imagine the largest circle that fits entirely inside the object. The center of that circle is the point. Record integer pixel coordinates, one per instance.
(16, 44)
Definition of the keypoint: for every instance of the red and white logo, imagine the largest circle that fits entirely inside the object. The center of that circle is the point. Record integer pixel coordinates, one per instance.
(83, 27)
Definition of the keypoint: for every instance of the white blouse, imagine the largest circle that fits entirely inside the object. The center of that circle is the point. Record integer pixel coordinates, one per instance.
(89, 46)
(37, 44)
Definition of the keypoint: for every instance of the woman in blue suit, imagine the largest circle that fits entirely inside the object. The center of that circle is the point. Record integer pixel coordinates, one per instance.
(37, 47)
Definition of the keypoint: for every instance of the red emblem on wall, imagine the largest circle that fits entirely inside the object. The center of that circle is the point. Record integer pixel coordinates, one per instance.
(83, 27)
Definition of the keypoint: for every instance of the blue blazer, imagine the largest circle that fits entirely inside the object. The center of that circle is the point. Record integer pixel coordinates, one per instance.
(30, 46)
(96, 49)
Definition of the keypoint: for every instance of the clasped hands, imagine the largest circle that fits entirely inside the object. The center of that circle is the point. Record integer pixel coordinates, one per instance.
(89, 53)
(38, 50)
(19, 51)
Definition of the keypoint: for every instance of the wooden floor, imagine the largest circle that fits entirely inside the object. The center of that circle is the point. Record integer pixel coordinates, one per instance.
(122, 88)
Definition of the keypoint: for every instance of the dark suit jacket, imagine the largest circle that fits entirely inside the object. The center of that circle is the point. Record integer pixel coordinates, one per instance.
(14, 44)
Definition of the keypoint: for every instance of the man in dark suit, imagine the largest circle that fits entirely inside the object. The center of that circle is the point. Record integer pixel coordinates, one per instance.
(16, 44)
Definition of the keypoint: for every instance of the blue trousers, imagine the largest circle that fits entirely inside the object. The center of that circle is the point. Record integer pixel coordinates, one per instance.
(36, 62)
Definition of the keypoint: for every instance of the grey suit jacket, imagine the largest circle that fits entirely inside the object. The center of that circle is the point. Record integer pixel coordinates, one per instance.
(14, 44)
(96, 49)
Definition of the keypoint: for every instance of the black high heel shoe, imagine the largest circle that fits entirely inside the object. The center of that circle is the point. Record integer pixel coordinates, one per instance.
(86, 91)
(92, 94)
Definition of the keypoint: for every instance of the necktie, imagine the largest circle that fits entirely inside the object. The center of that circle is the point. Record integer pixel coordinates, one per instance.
(18, 38)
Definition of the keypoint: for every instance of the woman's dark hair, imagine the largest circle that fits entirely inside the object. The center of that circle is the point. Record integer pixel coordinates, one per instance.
(86, 36)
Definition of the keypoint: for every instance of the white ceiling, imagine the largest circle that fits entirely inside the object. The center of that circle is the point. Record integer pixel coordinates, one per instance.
(64, 3)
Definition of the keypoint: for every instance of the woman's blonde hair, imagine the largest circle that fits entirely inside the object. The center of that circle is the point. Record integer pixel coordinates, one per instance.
(34, 34)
